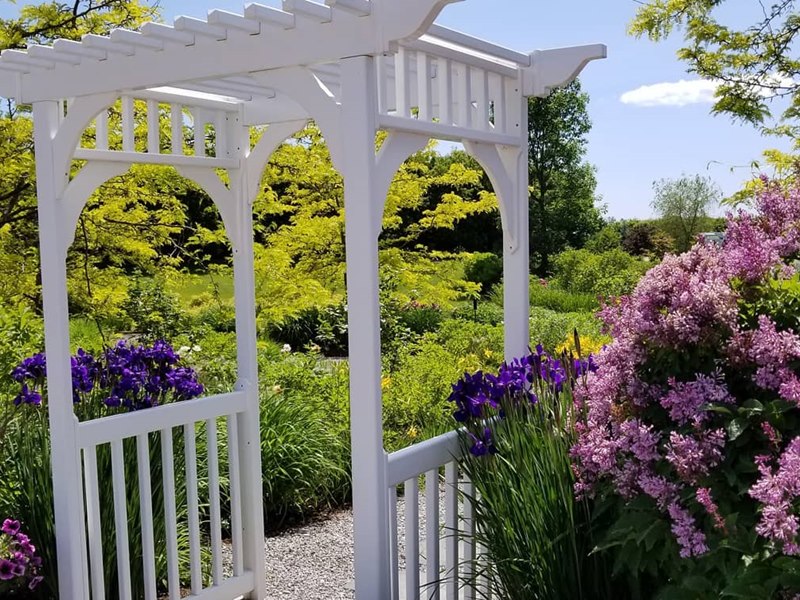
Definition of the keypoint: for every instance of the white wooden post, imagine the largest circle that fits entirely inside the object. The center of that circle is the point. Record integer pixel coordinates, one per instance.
(516, 259)
(371, 516)
(247, 357)
(64, 454)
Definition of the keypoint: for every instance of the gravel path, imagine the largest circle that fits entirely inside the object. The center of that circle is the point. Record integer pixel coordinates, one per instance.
(315, 561)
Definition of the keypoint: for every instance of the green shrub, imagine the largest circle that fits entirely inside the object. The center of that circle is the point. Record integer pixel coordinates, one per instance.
(487, 313)
(152, 312)
(612, 273)
(551, 329)
(420, 318)
(299, 331)
(485, 269)
(552, 298)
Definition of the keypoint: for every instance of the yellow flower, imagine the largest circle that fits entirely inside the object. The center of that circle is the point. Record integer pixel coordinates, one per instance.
(277, 389)
(588, 345)
(412, 432)
(385, 382)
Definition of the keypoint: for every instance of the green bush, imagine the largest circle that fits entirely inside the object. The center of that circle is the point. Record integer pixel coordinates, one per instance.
(612, 273)
(415, 404)
(152, 312)
(485, 269)
(421, 318)
(305, 444)
(487, 313)
(553, 298)
(551, 329)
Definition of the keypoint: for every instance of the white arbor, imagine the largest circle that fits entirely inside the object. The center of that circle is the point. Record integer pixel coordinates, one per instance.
(355, 67)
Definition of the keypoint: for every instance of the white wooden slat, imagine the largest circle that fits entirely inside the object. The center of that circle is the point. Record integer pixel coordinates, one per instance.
(21, 58)
(48, 53)
(223, 18)
(176, 117)
(214, 501)
(153, 127)
(478, 45)
(136, 39)
(446, 132)
(412, 538)
(497, 93)
(199, 123)
(468, 544)
(271, 16)
(192, 500)
(360, 8)
(168, 34)
(383, 84)
(101, 131)
(146, 514)
(201, 28)
(425, 100)
(170, 514)
(15, 68)
(432, 534)
(221, 149)
(78, 49)
(95, 537)
(101, 42)
(451, 529)
(402, 78)
(313, 11)
(103, 431)
(513, 99)
(128, 125)
(481, 108)
(395, 566)
(464, 96)
(235, 478)
(152, 159)
(121, 520)
(445, 81)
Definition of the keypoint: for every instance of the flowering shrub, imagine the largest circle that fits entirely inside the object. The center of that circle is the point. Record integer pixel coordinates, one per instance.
(19, 564)
(516, 426)
(127, 376)
(693, 415)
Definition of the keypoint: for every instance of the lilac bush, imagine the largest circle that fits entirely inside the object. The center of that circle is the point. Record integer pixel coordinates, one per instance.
(19, 563)
(693, 416)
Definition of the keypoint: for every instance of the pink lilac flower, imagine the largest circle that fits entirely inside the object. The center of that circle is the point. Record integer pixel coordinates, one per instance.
(693, 457)
(691, 540)
(776, 490)
(706, 501)
(685, 400)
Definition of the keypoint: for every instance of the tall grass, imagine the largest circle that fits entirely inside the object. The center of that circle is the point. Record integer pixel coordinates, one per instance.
(538, 539)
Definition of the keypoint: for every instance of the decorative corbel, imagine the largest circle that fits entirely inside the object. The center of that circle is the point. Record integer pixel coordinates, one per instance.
(405, 19)
(551, 69)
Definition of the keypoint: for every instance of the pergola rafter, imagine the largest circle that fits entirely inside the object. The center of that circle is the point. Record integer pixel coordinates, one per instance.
(353, 66)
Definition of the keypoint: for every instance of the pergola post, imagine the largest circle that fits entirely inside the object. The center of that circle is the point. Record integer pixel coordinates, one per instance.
(359, 109)
(64, 448)
(248, 422)
(516, 257)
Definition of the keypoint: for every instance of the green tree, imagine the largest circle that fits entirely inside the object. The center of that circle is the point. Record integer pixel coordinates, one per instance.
(754, 64)
(563, 202)
(684, 205)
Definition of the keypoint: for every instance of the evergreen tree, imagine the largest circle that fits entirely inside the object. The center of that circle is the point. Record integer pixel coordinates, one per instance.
(564, 211)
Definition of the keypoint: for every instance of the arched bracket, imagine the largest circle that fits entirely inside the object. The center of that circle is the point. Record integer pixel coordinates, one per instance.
(257, 160)
(500, 164)
(551, 69)
(78, 192)
(223, 198)
(300, 84)
(396, 148)
(80, 114)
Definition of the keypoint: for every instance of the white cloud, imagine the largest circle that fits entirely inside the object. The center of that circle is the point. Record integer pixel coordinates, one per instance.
(672, 93)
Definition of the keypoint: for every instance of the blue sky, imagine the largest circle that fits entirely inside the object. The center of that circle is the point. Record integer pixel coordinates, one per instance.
(656, 132)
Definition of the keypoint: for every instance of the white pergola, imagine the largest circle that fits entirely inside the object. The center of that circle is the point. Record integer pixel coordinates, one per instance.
(355, 67)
